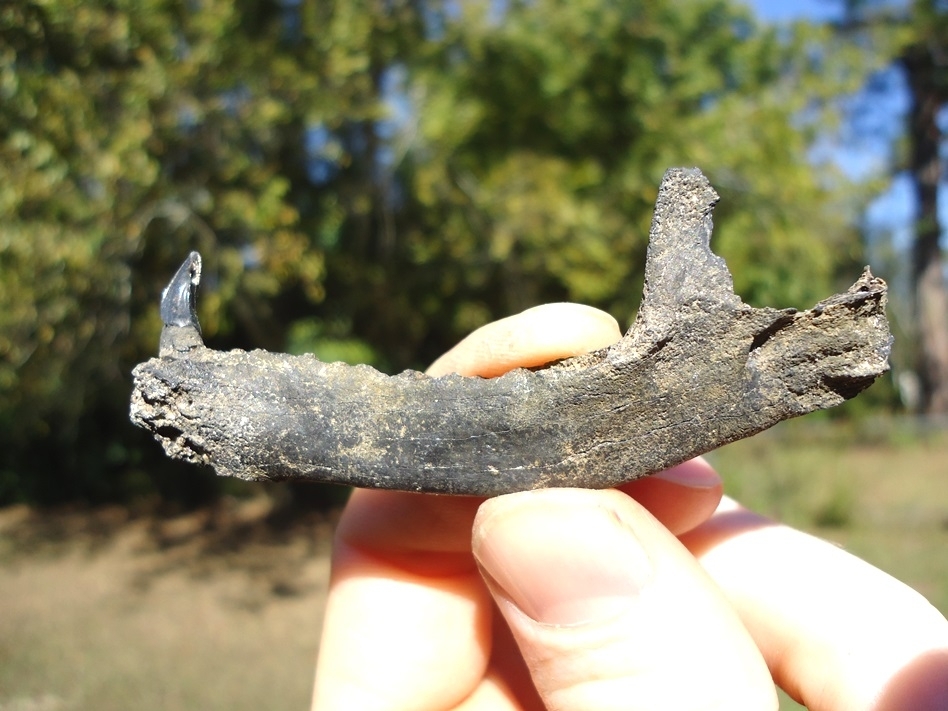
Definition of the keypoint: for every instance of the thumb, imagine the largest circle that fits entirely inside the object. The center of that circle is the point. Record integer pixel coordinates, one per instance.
(609, 610)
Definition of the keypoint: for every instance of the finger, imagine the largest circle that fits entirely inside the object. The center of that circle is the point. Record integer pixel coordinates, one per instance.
(532, 338)
(836, 632)
(682, 497)
(407, 621)
(406, 558)
(609, 610)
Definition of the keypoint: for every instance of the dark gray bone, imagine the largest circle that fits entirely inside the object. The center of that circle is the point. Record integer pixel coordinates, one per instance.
(698, 369)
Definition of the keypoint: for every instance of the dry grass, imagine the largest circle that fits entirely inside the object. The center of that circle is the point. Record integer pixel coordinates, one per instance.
(213, 610)
(221, 609)
(879, 489)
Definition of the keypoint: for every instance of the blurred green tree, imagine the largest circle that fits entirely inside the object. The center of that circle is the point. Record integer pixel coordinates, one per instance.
(130, 133)
(371, 180)
(536, 136)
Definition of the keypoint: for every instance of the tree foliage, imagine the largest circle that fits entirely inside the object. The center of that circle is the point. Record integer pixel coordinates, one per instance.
(543, 149)
(373, 180)
(914, 38)
(131, 132)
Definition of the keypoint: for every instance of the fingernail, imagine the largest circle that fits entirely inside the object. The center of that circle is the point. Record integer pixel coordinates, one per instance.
(562, 562)
(695, 474)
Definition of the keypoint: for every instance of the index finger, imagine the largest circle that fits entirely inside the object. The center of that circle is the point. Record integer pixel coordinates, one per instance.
(531, 338)
(836, 632)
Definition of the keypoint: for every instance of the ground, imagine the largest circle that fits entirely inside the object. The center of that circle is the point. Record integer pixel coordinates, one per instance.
(106, 609)
(121, 608)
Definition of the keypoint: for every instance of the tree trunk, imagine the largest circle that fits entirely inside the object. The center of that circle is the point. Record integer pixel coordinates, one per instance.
(928, 280)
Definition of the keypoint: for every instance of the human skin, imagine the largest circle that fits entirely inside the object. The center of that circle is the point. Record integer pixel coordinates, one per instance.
(658, 595)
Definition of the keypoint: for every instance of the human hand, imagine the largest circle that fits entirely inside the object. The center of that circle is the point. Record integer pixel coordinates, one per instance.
(630, 598)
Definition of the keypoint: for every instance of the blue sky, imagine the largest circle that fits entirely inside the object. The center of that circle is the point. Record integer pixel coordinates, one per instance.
(785, 10)
(870, 137)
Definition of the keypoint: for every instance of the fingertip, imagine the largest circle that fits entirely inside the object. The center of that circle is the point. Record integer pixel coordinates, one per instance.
(609, 610)
(682, 497)
(836, 631)
(553, 554)
(696, 473)
(532, 338)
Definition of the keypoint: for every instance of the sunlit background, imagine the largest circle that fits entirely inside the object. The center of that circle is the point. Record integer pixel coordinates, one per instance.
(369, 181)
